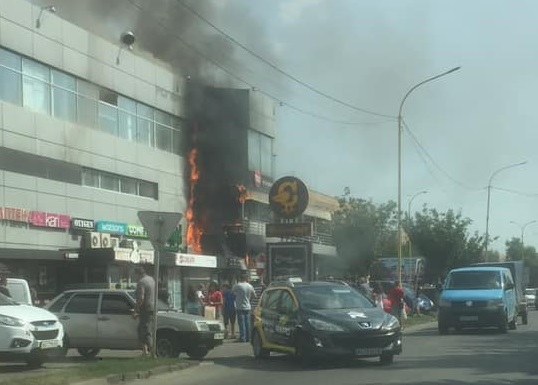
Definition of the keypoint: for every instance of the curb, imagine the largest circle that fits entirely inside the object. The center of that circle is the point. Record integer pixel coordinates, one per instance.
(122, 378)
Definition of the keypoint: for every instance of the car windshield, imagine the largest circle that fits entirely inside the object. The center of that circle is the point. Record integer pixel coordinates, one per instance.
(331, 297)
(474, 280)
(161, 304)
(6, 301)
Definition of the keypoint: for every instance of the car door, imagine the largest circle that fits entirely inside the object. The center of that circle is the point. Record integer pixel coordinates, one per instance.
(269, 314)
(80, 320)
(116, 326)
(287, 319)
(510, 296)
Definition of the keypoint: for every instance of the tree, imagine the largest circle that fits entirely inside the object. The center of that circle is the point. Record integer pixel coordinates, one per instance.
(515, 251)
(444, 240)
(364, 230)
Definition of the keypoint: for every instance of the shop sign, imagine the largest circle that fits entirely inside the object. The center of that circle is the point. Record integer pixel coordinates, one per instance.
(14, 214)
(111, 227)
(136, 231)
(43, 219)
(134, 256)
(82, 224)
(194, 260)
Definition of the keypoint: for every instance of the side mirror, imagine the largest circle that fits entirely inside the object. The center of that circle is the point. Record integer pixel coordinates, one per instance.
(509, 286)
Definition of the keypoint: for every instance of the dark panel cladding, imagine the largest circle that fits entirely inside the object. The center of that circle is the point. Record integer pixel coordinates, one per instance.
(219, 121)
(39, 166)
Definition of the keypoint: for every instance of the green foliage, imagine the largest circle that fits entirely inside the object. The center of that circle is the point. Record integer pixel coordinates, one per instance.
(515, 251)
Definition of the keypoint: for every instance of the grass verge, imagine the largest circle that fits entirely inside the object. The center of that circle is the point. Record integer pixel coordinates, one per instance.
(420, 319)
(99, 369)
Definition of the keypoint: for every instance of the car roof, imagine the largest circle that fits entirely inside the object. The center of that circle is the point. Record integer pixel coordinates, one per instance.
(481, 268)
(282, 284)
(97, 291)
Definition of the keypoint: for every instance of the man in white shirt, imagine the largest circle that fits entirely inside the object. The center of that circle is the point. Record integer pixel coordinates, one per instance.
(244, 292)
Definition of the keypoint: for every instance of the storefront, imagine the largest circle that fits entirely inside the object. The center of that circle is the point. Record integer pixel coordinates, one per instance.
(194, 270)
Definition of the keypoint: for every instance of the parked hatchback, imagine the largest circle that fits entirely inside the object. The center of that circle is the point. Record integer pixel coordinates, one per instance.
(27, 333)
(97, 319)
(321, 319)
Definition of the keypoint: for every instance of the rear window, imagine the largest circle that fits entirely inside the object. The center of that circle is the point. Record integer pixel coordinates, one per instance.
(18, 292)
(474, 280)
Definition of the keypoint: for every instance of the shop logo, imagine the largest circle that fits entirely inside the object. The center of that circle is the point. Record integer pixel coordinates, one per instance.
(111, 227)
(82, 224)
(136, 231)
(288, 197)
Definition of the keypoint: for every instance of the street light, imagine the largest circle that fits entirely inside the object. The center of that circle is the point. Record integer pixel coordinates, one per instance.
(409, 214)
(522, 228)
(489, 202)
(400, 163)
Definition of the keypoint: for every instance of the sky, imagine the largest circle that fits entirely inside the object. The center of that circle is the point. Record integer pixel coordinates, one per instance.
(367, 54)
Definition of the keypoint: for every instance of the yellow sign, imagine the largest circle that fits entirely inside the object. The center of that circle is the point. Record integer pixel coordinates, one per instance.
(288, 197)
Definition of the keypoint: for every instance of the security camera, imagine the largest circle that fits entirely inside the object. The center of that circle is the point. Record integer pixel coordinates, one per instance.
(128, 38)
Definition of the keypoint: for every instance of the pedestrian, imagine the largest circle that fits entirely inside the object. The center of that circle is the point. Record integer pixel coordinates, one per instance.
(3, 285)
(145, 296)
(228, 310)
(396, 297)
(364, 288)
(201, 297)
(193, 305)
(379, 296)
(244, 292)
(214, 298)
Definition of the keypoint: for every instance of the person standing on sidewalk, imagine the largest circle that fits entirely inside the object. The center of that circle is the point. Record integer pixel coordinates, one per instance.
(396, 297)
(244, 292)
(228, 310)
(145, 308)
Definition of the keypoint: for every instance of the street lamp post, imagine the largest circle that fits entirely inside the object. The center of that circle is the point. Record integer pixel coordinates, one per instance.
(400, 162)
(522, 228)
(486, 241)
(409, 215)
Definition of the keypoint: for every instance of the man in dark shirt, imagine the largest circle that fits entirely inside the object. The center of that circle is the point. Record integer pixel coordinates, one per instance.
(3, 286)
(145, 295)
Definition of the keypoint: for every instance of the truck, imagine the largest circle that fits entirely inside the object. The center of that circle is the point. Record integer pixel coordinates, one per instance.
(521, 279)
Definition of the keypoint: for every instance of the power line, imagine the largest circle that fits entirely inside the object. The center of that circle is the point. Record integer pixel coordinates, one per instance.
(432, 160)
(252, 86)
(278, 69)
(529, 195)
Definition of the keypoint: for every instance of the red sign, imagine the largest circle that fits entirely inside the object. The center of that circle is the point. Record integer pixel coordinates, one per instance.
(257, 178)
(43, 219)
(14, 214)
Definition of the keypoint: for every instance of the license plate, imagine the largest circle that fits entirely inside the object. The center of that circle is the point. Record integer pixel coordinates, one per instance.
(368, 352)
(219, 336)
(469, 318)
(49, 344)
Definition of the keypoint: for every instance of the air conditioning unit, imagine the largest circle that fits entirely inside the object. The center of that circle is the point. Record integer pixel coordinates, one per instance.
(114, 242)
(92, 240)
(105, 241)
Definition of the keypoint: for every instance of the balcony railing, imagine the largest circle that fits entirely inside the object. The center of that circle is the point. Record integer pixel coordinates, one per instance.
(258, 228)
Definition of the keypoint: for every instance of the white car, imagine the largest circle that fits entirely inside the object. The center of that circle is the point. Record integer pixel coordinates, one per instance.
(27, 333)
(530, 296)
(19, 291)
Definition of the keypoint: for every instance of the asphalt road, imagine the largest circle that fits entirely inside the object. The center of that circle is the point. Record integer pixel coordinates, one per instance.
(478, 357)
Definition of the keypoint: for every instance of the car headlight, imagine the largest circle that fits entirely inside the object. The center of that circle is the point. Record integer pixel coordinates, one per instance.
(390, 323)
(202, 326)
(444, 303)
(325, 326)
(11, 321)
(496, 303)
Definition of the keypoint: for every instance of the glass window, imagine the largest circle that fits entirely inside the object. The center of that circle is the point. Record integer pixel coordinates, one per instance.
(108, 118)
(36, 86)
(266, 155)
(87, 103)
(90, 178)
(127, 118)
(129, 186)
(83, 304)
(59, 304)
(254, 163)
(63, 96)
(110, 182)
(164, 118)
(176, 142)
(10, 77)
(286, 303)
(271, 299)
(115, 304)
(147, 189)
(163, 137)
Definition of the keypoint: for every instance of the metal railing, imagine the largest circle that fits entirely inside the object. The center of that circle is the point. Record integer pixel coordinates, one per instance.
(258, 228)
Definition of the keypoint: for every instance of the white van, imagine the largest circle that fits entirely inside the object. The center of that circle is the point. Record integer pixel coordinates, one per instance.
(19, 291)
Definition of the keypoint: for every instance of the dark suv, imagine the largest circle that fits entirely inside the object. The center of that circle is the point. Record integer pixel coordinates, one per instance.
(319, 319)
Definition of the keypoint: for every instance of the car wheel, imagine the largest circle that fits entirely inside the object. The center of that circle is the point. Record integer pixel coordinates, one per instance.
(442, 328)
(386, 358)
(525, 318)
(503, 327)
(257, 347)
(512, 325)
(35, 361)
(166, 346)
(197, 353)
(88, 352)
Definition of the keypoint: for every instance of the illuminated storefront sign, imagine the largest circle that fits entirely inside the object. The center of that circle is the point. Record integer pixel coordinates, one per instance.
(111, 227)
(43, 219)
(14, 214)
(82, 224)
(195, 260)
(136, 231)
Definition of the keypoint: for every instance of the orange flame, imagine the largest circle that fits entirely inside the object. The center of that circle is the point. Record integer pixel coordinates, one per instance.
(243, 193)
(194, 231)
